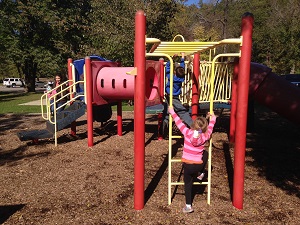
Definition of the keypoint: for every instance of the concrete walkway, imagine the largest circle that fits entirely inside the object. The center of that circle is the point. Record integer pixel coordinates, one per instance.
(37, 102)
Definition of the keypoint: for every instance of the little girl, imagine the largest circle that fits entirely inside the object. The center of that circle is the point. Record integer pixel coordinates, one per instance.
(194, 156)
(60, 99)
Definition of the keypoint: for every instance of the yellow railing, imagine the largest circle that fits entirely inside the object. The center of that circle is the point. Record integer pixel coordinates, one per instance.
(68, 91)
(179, 35)
(221, 83)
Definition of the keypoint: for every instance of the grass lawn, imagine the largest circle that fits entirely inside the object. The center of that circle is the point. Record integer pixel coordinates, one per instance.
(10, 103)
(125, 107)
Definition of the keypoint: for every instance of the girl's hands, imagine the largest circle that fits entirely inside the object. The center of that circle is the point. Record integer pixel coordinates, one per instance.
(209, 114)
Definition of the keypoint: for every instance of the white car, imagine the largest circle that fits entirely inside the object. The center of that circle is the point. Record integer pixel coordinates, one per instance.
(13, 82)
(40, 84)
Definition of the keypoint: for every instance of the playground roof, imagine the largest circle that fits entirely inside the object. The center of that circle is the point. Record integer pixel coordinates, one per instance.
(80, 62)
(189, 48)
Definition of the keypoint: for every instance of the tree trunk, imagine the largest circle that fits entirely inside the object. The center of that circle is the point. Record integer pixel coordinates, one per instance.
(29, 71)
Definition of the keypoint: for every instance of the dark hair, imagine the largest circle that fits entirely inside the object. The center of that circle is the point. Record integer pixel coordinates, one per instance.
(62, 77)
(179, 71)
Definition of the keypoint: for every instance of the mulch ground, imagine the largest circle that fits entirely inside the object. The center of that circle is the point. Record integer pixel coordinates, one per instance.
(75, 184)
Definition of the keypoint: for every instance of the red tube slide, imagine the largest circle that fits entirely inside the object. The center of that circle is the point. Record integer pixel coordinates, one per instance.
(276, 93)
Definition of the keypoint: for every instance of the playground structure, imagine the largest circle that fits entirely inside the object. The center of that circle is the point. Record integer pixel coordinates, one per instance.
(214, 82)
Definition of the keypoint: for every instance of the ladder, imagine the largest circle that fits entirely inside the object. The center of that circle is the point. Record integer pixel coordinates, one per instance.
(172, 160)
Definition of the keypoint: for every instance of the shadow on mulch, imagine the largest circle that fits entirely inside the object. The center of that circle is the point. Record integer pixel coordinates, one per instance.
(159, 174)
(8, 210)
(13, 156)
(276, 152)
(18, 119)
(274, 143)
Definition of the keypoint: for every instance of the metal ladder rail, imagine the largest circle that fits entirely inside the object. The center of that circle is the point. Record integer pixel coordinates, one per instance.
(172, 160)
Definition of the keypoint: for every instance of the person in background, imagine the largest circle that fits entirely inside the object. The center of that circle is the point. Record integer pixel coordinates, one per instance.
(179, 108)
(194, 156)
(49, 86)
(59, 93)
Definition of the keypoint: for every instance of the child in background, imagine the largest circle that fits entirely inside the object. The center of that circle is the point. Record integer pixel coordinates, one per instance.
(194, 156)
(61, 99)
(49, 86)
(178, 79)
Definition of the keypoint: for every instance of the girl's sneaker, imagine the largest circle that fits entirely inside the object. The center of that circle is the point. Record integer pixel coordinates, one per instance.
(201, 176)
(187, 209)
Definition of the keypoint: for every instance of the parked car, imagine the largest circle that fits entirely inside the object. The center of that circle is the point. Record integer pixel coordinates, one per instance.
(40, 84)
(13, 82)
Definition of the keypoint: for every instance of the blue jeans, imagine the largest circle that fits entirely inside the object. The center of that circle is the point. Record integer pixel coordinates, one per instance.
(181, 111)
(58, 104)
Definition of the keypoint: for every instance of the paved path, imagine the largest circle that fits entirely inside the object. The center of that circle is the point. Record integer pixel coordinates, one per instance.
(21, 89)
(37, 102)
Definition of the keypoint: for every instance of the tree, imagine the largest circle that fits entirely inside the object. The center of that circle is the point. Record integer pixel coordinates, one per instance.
(6, 10)
(44, 34)
(37, 36)
(161, 15)
(111, 33)
(275, 34)
(284, 31)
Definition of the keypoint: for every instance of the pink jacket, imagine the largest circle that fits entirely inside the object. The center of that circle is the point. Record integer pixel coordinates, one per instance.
(193, 154)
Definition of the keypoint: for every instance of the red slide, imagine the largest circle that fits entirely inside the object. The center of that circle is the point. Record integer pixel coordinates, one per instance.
(273, 91)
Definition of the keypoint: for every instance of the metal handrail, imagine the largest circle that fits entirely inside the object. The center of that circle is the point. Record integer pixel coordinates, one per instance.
(46, 98)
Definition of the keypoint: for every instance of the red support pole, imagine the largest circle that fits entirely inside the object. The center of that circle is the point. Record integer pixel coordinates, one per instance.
(139, 109)
(233, 101)
(161, 94)
(89, 99)
(73, 124)
(242, 110)
(119, 118)
(195, 85)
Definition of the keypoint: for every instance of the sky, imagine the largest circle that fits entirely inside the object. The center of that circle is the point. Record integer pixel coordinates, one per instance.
(189, 2)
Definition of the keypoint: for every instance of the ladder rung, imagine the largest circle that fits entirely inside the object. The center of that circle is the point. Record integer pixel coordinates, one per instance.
(200, 183)
(176, 136)
(195, 183)
(177, 183)
(175, 160)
